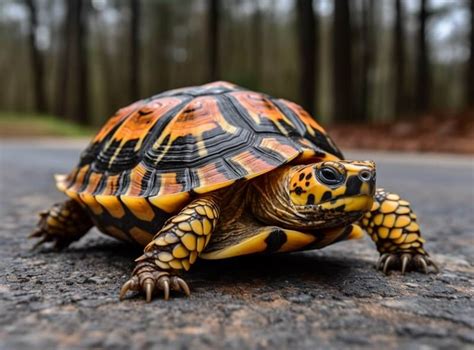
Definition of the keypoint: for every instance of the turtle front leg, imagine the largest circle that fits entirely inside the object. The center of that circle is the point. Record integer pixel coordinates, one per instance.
(392, 225)
(175, 248)
(62, 224)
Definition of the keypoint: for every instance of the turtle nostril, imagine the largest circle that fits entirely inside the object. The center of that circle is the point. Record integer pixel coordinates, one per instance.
(365, 175)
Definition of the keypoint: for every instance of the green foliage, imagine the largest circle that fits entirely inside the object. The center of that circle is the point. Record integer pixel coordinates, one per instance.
(14, 124)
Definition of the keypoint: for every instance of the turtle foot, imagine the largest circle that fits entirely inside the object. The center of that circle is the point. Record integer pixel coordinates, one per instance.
(405, 261)
(45, 234)
(147, 278)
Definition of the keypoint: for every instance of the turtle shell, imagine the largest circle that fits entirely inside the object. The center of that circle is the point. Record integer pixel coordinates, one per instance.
(195, 139)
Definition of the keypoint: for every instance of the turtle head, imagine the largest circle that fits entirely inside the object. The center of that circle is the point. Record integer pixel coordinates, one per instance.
(333, 192)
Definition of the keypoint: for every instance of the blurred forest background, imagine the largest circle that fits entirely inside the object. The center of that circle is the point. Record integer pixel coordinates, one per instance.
(394, 67)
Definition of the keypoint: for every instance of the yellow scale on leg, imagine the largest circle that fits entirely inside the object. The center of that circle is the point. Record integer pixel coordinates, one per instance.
(184, 236)
(393, 227)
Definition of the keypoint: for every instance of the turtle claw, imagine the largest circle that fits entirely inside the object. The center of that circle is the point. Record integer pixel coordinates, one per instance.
(59, 242)
(45, 235)
(129, 285)
(149, 286)
(149, 282)
(418, 262)
(40, 242)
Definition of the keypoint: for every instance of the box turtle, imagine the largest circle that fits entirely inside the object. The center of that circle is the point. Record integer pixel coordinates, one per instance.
(217, 171)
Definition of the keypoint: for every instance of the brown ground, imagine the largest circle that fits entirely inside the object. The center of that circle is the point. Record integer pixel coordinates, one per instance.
(433, 133)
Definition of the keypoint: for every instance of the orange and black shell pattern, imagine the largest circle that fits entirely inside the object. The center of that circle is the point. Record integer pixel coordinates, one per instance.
(157, 152)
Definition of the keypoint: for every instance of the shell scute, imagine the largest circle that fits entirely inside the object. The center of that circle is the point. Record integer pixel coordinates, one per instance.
(199, 138)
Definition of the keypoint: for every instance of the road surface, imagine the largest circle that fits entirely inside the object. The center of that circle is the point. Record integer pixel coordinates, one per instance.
(331, 298)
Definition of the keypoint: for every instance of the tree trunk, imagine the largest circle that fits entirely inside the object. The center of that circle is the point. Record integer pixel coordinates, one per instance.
(399, 59)
(257, 53)
(213, 39)
(73, 79)
(81, 108)
(64, 58)
(423, 81)
(367, 59)
(342, 62)
(134, 81)
(36, 59)
(165, 31)
(470, 75)
(307, 35)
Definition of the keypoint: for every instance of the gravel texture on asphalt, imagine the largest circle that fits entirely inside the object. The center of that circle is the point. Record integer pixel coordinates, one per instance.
(332, 298)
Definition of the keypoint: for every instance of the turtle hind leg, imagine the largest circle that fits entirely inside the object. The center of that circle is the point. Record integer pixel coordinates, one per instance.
(392, 225)
(62, 224)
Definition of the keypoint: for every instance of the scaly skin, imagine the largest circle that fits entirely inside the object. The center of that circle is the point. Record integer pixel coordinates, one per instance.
(392, 225)
(176, 247)
(62, 224)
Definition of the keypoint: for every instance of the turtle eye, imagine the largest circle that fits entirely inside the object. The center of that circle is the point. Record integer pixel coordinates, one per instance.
(329, 176)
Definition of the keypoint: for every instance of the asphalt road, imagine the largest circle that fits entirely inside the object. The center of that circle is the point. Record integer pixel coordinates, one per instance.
(331, 298)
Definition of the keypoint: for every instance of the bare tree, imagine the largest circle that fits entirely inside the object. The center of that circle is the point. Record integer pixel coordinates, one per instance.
(423, 79)
(165, 33)
(367, 59)
(213, 39)
(73, 78)
(81, 108)
(399, 59)
(470, 75)
(307, 35)
(342, 61)
(36, 58)
(64, 57)
(134, 72)
(257, 36)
